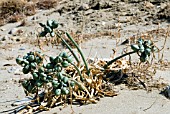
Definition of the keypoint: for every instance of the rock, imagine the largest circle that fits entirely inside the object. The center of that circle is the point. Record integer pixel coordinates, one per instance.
(88, 12)
(17, 39)
(15, 31)
(2, 29)
(4, 38)
(148, 5)
(84, 7)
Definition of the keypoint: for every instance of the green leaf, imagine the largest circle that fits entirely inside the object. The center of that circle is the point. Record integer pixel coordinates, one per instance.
(26, 69)
(47, 29)
(19, 60)
(54, 24)
(65, 64)
(135, 47)
(58, 92)
(42, 25)
(42, 34)
(49, 23)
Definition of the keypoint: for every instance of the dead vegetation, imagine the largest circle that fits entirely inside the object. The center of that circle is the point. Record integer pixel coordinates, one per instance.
(15, 10)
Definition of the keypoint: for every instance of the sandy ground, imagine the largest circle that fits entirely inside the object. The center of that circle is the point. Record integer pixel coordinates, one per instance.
(93, 21)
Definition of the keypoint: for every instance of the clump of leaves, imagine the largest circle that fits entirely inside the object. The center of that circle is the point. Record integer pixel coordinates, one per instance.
(57, 81)
(142, 48)
(48, 28)
(52, 73)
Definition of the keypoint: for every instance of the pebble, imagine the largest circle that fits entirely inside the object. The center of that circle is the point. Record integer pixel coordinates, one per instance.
(84, 7)
(148, 5)
(163, 5)
(16, 71)
(4, 38)
(15, 31)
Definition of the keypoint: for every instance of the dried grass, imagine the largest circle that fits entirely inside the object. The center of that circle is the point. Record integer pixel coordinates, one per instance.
(16, 10)
(46, 4)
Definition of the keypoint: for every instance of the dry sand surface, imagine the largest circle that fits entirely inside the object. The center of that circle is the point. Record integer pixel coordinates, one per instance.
(100, 27)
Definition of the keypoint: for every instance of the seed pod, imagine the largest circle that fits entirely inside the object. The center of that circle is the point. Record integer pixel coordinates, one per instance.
(58, 68)
(25, 62)
(38, 83)
(30, 53)
(41, 69)
(141, 48)
(49, 70)
(25, 83)
(49, 66)
(25, 57)
(65, 64)
(65, 91)
(38, 60)
(72, 83)
(30, 87)
(65, 79)
(58, 59)
(42, 34)
(44, 78)
(35, 75)
(52, 59)
(49, 78)
(55, 83)
(147, 51)
(70, 59)
(43, 75)
(47, 29)
(33, 65)
(19, 60)
(63, 54)
(135, 47)
(60, 76)
(63, 84)
(58, 92)
(49, 23)
(140, 41)
(31, 58)
(54, 24)
(26, 69)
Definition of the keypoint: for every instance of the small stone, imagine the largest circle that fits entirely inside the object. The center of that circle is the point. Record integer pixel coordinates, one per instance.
(148, 5)
(84, 7)
(163, 5)
(15, 31)
(4, 38)
(88, 12)
(2, 29)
